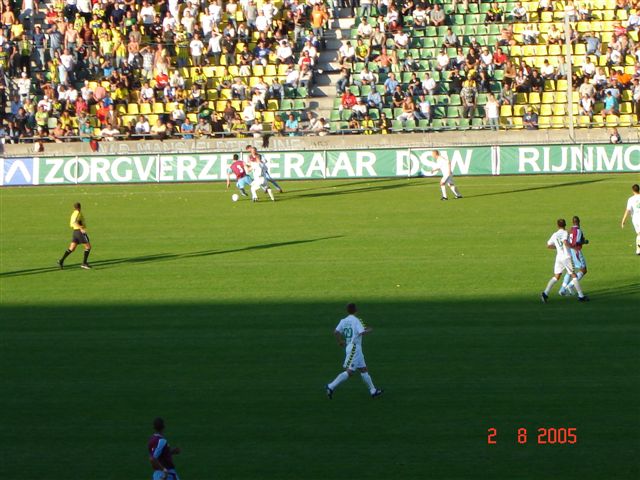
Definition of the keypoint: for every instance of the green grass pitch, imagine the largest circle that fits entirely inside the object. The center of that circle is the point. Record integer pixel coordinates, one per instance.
(218, 317)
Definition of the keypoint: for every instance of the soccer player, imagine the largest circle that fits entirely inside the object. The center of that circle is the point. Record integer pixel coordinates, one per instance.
(443, 165)
(239, 170)
(633, 209)
(558, 241)
(349, 333)
(78, 224)
(161, 454)
(258, 169)
(576, 241)
(255, 156)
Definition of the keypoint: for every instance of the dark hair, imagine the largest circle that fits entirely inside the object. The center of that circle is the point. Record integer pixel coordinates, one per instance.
(77, 205)
(158, 424)
(576, 220)
(562, 222)
(235, 156)
(351, 308)
(636, 188)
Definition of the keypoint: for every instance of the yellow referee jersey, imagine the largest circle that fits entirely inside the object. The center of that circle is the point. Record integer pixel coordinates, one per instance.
(77, 220)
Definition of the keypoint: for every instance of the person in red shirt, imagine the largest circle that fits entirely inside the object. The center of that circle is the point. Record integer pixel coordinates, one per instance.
(348, 100)
(239, 169)
(102, 114)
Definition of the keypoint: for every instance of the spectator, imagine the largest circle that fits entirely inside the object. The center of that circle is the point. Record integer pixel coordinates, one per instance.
(367, 125)
(423, 112)
(468, 95)
(203, 128)
(408, 110)
(450, 39)
(429, 85)
(530, 119)
(586, 107)
(519, 13)
(277, 126)
(187, 129)
(347, 53)
(292, 125)
(614, 136)
(611, 105)
(437, 16)
(492, 112)
(384, 124)
(593, 44)
(374, 100)
(495, 13)
(359, 110)
(348, 100)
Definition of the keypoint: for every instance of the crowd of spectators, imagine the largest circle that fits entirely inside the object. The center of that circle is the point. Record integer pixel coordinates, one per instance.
(383, 44)
(75, 70)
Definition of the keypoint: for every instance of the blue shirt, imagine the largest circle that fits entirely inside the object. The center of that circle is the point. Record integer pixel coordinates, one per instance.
(187, 128)
(390, 85)
(610, 103)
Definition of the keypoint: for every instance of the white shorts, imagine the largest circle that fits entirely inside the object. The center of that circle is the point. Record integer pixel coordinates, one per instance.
(170, 475)
(354, 357)
(259, 182)
(562, 265)
(636, 225)
(447, 180)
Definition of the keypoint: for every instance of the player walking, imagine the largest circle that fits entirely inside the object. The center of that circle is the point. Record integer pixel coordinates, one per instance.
(161, 454)
(255, 156)
(633, 209)
(240, 171)
(259, 180)
(78, 224)
(349, 333)
(558, 241)
(443, 165)
(576, 241)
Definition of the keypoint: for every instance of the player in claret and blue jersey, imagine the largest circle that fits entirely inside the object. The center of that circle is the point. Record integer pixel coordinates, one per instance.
(239, 169)
(160, 454)
(576, 241)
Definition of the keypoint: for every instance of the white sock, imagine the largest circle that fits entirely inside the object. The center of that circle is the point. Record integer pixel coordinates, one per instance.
(638, 243)
(444, 191)
(454, 189)
(366, 378)
(550, 285)
(576, 285)
(339, 379)
(270, 194)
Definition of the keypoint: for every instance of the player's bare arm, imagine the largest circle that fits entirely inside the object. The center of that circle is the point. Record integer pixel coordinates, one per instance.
(228, 180)
(624, 218)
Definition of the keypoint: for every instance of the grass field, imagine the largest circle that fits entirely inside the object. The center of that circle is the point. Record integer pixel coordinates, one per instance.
(218, 317)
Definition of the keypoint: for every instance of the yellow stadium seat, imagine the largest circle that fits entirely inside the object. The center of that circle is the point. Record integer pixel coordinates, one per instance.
(583, 121)
(153, 119)
(558, 122)
(548, 97)
(579, 49)
(133, 109)
(534, 98)
(561, 97)
(258, 70)
(145, 108)
(559, 109)
(267, 116)
(626, 120)
(544, 122)
(561, 85)
(158, 107)
(506, 111)
(545, 109)
(612, 121)
(625, 107)
(516, 123)
(519, 110)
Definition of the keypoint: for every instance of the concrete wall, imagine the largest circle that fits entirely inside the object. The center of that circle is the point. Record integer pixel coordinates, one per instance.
(332, 142)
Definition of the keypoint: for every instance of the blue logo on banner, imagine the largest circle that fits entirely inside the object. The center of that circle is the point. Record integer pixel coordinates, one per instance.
(18, 171)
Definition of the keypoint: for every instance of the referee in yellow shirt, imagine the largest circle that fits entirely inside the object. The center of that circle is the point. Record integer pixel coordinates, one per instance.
(78, 225)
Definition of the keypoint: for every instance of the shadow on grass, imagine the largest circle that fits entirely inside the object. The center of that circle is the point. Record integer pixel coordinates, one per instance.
(543, 187)
(160, 257)
(377, 186)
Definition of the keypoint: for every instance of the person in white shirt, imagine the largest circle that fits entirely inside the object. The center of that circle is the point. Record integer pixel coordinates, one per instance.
(257, 169)
(633, 210)
(348, 334)
(262, 22)
(196, 47)
(492, 112)
(559, 242)
(588, 67)
(347, 53)
(428, 84)
(443, 165)
(24, 85)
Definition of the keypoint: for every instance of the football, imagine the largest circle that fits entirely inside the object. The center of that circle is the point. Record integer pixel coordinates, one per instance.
(234, 197)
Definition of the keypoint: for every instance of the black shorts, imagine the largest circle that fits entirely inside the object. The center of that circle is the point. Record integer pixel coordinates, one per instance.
(79, 237)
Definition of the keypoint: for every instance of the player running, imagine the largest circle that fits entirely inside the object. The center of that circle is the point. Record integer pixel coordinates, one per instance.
(558, 241)
(160, 454)
(255, 156)
(443, 165)
(576, 241)
(349, 332)
(239, 169)
(78, 224)
(633, 209)
(257, 168)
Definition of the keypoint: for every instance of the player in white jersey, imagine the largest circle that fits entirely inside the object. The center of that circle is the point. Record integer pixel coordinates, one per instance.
(259, 180)
(559, 242)
(255, 156)
(633, 209)
(349, 333)
(443, 165)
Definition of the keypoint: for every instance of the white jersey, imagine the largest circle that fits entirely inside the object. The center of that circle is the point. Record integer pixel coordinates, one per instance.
(633, 206)
(258, 169)
(351, 328)
(444, 166)
(559, 240)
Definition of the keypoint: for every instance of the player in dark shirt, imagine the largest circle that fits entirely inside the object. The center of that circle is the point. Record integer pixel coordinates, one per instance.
(161, 454)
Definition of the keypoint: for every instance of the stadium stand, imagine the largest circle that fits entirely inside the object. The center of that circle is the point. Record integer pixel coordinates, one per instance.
(114, 69)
